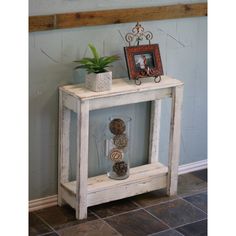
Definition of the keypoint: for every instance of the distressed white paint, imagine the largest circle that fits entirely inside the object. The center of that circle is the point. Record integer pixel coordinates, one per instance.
(69, 102)
(174, 143)
(52, 200)
(142, 179)
(123, 92)
(82, 159)
(63, 145)
(103, 189)
(183, 46)
(120, 87)
(154, 131)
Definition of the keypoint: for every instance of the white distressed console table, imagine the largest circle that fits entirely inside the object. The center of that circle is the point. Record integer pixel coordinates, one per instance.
(85, 192)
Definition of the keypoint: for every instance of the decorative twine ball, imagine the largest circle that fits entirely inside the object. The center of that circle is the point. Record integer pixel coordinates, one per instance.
(121, 141)
(120, 168)
(116, 155)
(117, 126)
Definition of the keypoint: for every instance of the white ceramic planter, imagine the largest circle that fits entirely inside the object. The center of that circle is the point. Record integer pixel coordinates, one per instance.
(99, 82)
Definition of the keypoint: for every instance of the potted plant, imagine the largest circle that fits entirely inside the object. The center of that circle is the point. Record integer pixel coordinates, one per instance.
(98, 78)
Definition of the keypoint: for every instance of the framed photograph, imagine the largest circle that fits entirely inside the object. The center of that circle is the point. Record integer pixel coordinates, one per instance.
(143, 61)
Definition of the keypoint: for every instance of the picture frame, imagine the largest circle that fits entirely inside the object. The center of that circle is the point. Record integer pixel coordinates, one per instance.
(143, 61)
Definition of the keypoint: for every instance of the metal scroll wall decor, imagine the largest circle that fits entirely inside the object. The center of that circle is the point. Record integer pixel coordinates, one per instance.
(142, 60)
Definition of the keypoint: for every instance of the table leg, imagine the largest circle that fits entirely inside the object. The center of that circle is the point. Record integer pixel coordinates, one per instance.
(174, 141)
(82, 159)
(64, 146)
(154, 139)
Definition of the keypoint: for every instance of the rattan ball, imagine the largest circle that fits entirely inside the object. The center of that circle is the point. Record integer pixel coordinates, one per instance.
(116, 155)
(120, 168)
(120, 141)
(117, 126)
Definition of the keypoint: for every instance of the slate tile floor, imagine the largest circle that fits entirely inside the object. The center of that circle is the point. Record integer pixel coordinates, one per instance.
(153, 214)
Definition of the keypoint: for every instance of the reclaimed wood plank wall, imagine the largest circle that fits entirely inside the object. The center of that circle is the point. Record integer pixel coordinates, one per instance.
(93, 18)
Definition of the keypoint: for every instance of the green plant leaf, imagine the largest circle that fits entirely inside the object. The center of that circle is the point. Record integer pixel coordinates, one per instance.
(94, 51)
(96, 64)
(103, 61)
(87, 61)
(81, 67)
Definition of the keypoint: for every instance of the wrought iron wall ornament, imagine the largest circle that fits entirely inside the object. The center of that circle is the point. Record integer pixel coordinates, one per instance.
(138, 34)
(142, 60)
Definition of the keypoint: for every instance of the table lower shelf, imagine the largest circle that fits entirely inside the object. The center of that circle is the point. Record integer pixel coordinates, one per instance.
(102, 189)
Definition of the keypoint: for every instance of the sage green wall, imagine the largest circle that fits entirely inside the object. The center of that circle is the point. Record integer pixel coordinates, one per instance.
(183, 45)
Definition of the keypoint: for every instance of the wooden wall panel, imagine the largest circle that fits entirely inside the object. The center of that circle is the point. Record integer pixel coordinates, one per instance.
(93, 18)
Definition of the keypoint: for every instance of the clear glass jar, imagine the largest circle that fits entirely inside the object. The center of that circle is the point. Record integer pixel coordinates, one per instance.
(118, 147)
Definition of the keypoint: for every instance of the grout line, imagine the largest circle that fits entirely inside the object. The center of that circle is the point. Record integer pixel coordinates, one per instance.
(157, 218)
(160, 203)
(179, 232)
(195, 193)
(117, 214)
(171, 200)
(189, 223)
(153, 215)
(194, 206)
(166, 230)
(191, 194)
(166, 223)
(121, 213)
(45, 222)
(135, 203)
(140, 208)
(106, 223)
(48, 233)
(98, 217)
(94, 214)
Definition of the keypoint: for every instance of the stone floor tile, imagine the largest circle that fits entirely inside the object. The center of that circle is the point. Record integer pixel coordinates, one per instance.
(202, 174)
(125, 217)
(189, 184)
(37, 226)
(170, 232)
(90, 228)
(198, 200)
(136, 223)
(177, 212)
(50, 234)
(113, 208)
(195, 229)
(152, 198)
(60, 217)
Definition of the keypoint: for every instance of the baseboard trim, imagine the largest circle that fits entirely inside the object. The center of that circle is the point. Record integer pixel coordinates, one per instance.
(41, 203)
(49, 201)
(194, 166)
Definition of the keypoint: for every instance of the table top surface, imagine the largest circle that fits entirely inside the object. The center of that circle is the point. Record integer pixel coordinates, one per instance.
(119, 87)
